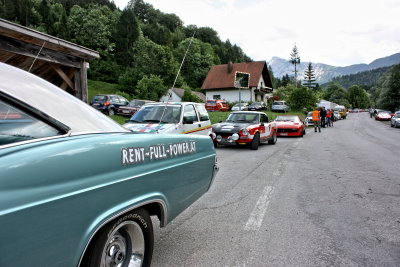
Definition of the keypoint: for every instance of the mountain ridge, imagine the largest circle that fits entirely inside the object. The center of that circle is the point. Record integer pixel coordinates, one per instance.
(325, 73)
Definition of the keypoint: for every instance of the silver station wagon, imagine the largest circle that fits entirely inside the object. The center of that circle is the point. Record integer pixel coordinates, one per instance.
(78, 189)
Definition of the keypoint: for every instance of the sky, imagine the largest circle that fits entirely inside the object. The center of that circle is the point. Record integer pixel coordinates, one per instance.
(334, 32)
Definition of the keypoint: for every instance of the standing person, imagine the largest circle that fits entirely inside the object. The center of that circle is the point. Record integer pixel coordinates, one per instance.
(323, 116)
(328, 117)
(316, 118)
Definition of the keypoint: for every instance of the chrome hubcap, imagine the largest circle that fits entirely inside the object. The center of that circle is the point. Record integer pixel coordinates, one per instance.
(124, 247)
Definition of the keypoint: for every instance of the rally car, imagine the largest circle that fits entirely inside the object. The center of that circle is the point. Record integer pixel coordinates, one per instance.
(290, 125)
(245, 128)
(171, 118)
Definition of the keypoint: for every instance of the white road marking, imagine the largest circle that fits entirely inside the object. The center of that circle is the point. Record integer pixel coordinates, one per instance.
(257, 215)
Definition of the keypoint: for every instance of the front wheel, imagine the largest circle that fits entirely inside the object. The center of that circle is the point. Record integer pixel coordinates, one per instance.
(127, 241)
(273, 140)
(111, 112)
(255, 142)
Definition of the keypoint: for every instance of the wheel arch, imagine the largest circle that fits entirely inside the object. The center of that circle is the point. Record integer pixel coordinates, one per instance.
(155, 207)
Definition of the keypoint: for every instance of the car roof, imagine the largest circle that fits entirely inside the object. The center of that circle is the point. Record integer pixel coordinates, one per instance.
(54, 102)
(248, 112)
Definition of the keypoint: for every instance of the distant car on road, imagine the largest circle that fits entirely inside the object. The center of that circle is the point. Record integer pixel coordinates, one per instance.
(77, 189)
(132, 107)
(245, 128)
(308, 120)
(395, 120)
(108, 104)
(280, 106)
(383, 116)
(290, 125)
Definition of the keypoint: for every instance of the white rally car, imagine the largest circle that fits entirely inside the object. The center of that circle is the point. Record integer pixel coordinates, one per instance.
(171, 117)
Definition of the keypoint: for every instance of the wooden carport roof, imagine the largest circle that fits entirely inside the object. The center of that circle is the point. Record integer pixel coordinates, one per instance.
(58, 61)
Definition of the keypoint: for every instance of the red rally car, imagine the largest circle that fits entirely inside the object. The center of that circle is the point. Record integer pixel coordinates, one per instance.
(290, 125)
(245, 128)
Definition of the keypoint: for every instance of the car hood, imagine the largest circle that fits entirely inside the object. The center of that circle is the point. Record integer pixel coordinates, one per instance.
(283, 124)
(151, 127)
(229, 127)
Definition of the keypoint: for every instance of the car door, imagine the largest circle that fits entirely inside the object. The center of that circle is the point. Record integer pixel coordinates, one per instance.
(265, 130)
(190, 122)
(204, 120)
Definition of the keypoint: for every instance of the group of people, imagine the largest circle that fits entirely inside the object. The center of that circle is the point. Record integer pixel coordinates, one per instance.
(322, 117)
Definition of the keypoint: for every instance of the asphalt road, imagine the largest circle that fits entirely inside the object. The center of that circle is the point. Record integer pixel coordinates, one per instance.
(327, 199)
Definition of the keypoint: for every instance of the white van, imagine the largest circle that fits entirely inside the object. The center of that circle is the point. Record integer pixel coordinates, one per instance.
(171, 117)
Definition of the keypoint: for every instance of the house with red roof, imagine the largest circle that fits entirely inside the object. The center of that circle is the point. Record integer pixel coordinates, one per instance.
(220, 82)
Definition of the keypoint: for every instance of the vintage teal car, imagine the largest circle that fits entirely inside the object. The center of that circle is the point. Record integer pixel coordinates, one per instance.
(77, 189)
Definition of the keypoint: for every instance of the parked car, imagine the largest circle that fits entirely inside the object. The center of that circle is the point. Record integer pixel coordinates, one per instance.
(395, 120)
(171, 117)
(290, 125)
(216, 105)
(108, 104)
(257, 106)
(77, 189)
(132, 107)
(383, 116)
(342, 111)
(245, 128)
(337, 115)
(239, 107)
(308, 120)
(280, 106)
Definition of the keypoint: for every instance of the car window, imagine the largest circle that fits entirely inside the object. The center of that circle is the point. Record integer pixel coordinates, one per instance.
(157, 113)
(100, 98)
(202, 112)
(189, 114)
(264, 118)
(115, 99)
(17, 126)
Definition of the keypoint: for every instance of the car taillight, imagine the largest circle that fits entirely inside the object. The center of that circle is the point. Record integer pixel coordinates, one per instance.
(106, 103)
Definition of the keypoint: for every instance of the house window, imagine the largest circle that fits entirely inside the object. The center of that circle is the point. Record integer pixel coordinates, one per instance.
(217, 97)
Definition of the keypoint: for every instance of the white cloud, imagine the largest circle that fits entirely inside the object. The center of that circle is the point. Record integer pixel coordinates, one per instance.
(340, 32)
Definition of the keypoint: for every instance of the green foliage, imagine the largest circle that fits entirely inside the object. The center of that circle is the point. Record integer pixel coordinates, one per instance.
(198, 61)
(151, 88)
(337, 94)
(358, 97)
(366, 79)
(284, 92)
(309, 77)
(189, 96)
(302, 98)
(93, 27)
(97, 87)
(389, 97)
(104, 70)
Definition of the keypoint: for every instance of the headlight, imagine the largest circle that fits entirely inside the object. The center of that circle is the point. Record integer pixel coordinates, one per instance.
(245, 132)
(235, 136)
(219, 138)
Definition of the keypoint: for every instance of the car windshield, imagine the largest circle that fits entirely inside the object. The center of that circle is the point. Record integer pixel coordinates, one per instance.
(136, 103)
(287, 118)
(100, 98)
(157, 113)
(309, 114)
(243, 117)
(255, 104)
(277, 103)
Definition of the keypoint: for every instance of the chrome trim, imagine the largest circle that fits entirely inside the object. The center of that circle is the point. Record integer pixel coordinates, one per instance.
(163, 220)
(35, 140)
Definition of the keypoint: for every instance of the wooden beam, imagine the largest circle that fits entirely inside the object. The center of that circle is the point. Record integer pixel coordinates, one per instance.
(70, 74)
(32, 51)
(64, 77)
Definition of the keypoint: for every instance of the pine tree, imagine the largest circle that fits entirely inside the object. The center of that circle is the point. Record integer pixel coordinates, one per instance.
(309, 77)
(295, 60)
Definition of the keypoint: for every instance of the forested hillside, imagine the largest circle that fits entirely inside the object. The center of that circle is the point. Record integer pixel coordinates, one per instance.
(366, 79)
(141, 48)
